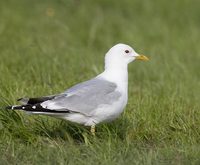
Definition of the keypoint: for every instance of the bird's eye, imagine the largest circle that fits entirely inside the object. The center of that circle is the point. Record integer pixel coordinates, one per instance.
(126, 51)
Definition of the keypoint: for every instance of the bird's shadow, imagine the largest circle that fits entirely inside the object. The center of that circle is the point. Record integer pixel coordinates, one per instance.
(66, 131)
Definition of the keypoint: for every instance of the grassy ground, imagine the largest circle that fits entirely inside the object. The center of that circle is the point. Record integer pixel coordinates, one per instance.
(48, 46)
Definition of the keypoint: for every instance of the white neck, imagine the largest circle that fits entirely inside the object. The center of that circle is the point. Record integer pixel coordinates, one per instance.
(116, 74)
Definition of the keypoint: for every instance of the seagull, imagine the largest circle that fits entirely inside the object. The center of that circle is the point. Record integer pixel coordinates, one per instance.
(100, 99)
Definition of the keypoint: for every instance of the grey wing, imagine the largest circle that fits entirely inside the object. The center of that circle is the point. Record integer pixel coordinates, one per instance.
(85, 97)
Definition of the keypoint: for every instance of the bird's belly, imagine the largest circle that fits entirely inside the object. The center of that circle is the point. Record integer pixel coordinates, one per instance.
(108, 113)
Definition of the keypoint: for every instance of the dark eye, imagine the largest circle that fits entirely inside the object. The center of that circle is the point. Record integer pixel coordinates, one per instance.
(126, 51)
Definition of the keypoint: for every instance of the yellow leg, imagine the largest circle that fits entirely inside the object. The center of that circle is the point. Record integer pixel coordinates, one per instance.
(92, 130)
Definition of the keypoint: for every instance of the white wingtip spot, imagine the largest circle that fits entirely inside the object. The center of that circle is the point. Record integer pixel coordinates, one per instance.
(23, 107)
(13, 107)
(33, 107)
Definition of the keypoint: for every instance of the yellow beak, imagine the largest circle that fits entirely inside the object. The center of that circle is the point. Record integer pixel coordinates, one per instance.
(142, 57)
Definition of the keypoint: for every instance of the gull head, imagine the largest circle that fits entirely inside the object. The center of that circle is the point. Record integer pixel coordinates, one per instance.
(121, 55)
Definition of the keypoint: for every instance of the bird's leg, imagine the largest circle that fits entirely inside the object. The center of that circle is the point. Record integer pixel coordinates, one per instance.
(92, 130)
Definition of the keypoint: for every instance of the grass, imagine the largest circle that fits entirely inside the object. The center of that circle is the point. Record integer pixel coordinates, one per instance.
(48, 46)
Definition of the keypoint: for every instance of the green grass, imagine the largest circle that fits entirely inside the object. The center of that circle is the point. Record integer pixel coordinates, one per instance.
(48, 46)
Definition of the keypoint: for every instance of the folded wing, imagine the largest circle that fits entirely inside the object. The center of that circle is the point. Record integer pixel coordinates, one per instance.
(85, 97)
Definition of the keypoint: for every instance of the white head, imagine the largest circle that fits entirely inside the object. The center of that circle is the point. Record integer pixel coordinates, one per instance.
(121, 55)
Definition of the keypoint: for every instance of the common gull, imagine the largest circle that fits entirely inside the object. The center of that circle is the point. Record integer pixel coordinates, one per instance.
(100, 99)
